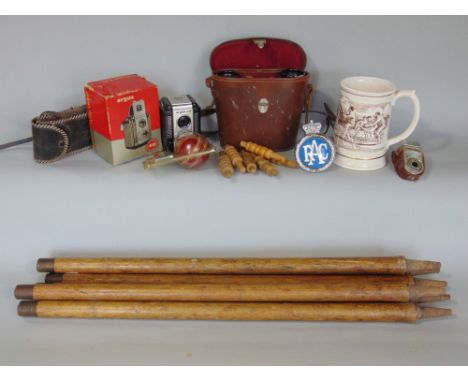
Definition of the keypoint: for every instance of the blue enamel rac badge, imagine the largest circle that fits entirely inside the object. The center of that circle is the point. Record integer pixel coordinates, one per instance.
(315, 153)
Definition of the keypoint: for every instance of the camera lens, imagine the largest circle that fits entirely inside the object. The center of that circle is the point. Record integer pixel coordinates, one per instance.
(184, 122)
(292, 73)
(228, 73)
(414, 165)
(142, 123)
(139, 108)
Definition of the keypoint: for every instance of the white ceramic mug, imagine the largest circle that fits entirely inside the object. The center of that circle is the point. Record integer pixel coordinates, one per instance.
(363, 118)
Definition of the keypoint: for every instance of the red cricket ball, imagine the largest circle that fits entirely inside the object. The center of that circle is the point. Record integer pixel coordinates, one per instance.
(191, 143)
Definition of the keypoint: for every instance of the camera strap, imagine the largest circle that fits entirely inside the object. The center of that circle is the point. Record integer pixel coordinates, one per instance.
(15, 143)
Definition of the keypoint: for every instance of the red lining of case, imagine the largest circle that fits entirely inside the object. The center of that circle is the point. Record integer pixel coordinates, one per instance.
(276, 53)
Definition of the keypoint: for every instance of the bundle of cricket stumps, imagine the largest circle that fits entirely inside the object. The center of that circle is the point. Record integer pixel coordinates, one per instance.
(302, 289)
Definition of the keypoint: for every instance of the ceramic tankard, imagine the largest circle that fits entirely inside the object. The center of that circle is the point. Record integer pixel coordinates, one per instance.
(363, 118)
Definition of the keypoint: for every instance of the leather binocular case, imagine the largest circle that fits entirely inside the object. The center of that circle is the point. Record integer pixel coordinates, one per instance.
(57, 135)
(260, 89)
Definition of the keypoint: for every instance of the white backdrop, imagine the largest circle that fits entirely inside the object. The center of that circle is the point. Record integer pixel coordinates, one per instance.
(83, 206)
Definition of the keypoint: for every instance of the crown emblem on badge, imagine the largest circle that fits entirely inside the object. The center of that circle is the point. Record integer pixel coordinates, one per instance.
(315, 152)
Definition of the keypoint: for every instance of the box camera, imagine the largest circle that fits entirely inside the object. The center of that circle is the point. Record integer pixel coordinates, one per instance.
(179, 115)
(137, 126)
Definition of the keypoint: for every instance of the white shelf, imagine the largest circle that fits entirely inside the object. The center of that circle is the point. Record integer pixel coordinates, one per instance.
(83, 206)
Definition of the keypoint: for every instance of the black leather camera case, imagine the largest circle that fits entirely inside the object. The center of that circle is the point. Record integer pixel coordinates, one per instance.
(57, 135)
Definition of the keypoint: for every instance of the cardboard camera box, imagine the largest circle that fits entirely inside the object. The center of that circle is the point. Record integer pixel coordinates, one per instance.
(124, 118)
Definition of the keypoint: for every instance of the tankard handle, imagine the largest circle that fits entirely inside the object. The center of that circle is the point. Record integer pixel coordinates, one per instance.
(414, 122)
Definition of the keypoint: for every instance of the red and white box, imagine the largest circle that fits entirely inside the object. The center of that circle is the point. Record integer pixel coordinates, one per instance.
(124, 120)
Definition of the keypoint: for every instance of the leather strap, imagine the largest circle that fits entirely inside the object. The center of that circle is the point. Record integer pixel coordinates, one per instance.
(209, 110)
(15, 143)
(307, 101)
